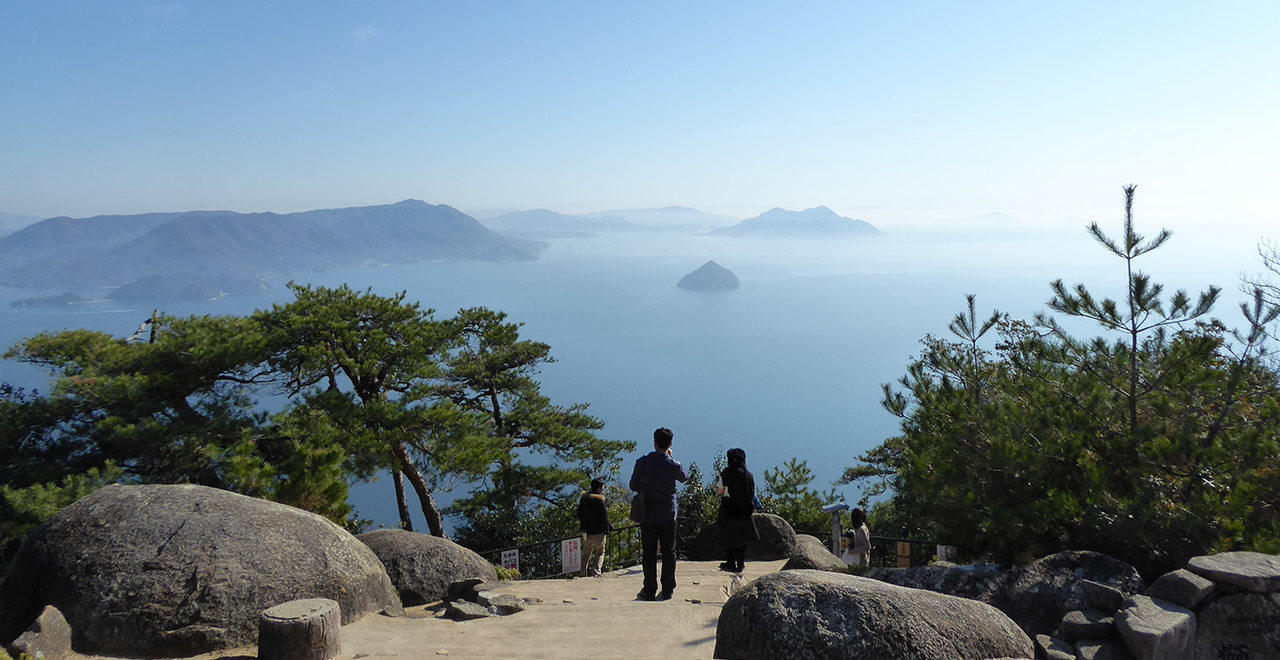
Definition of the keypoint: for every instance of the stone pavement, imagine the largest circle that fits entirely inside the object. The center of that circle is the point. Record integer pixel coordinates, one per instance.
(590, 618)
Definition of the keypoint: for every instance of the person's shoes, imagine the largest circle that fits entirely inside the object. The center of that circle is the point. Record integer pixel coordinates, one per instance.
(738, 568)
(645, 595)
(726, 566)
(666, 595)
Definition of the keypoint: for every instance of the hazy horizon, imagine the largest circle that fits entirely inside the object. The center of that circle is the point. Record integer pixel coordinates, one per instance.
(928, 108)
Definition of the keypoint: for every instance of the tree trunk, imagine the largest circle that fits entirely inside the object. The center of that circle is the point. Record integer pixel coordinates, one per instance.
(402, 502)
(429, 509)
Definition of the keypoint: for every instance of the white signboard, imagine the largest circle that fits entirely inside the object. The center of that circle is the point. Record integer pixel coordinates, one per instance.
(511, 559)
(947, 552)
(571, 555)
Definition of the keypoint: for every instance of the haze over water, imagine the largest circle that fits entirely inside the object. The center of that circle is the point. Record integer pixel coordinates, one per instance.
(789, 365)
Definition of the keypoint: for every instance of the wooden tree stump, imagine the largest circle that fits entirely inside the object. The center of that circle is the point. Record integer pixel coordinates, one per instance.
(308, 629)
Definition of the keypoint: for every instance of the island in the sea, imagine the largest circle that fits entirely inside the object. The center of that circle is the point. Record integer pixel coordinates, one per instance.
(711, 276)
(817, 222)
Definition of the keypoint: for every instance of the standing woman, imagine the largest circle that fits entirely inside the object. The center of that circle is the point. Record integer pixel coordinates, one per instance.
(859, 552)
(737, 503)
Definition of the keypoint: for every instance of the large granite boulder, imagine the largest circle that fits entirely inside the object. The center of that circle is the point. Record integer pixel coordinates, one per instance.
(1037, 596)
(777, 540)
(170, 570)
(812, 553)
(422, 566)
(1181, 587)
(1156, 629)
(1251, 571)
(1239, 626)
(805, 614)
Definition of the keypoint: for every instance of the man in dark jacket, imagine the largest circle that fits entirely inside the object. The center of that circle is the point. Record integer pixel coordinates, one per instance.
(655, 475)
(593, 521)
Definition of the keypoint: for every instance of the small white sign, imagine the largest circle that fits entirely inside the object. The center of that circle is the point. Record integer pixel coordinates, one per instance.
(511, 559)
(570, 555)
(947, 552)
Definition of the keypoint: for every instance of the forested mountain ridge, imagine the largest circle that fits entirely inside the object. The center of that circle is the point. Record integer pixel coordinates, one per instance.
(115, 250)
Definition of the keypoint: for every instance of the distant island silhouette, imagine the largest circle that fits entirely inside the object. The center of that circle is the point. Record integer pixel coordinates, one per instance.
(817, 222)
(711, 276)
(211, 253)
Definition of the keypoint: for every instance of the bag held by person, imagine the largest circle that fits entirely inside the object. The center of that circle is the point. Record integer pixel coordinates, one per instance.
(637, 500)
(637, 508)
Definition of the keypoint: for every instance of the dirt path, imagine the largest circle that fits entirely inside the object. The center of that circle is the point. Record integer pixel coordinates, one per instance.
(588, 618)
(582, 619)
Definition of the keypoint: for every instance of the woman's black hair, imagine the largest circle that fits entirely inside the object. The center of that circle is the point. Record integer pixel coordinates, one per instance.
(737, 458)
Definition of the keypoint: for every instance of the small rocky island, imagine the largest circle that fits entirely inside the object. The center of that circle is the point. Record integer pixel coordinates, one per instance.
(710, 277)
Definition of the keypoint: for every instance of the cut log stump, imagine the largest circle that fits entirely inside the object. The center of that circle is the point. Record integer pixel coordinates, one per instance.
(308, 629)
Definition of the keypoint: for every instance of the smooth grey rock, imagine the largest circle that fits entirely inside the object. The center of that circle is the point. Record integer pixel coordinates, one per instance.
(465, 610)
(811, 615)
(1102, 597)
(422, 566)
(1086, 624)
(464, 589)
(777, 540)
(1036, 595)
(167, 570)
(1156, 629)
(1251, 571)
(1241, 626)
(48, 637)
(508, 604)
(1052, 648)
(811, 553)
(1097, 649)
(1181, 587)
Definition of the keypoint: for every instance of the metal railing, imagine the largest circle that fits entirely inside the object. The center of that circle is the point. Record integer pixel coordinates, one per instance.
(542, 560)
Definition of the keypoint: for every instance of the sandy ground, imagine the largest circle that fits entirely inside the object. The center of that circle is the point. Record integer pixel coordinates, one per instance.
(591, 618)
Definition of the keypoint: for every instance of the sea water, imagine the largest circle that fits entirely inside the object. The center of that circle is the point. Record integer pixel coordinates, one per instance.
(790, 365)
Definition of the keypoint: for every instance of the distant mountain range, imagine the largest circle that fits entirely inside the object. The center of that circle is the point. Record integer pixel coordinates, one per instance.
(818, 222)
(668, 217)
(224, 245)
(542, 224)
(11, 222)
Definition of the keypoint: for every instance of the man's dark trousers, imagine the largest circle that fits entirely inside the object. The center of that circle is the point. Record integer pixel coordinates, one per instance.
(651, 536)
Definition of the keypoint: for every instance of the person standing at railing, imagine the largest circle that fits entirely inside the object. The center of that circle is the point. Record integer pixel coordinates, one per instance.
(859, 552)
(737, 502)
(593, 522)
(655, 474)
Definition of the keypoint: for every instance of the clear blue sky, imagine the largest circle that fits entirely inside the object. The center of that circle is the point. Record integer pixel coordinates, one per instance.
(1041, 110)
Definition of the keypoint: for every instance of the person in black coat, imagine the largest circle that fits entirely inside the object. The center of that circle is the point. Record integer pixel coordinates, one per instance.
(737, 503)
(593, 521)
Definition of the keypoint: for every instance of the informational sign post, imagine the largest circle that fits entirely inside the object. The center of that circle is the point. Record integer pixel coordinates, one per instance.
(511, 559)
(571, 555)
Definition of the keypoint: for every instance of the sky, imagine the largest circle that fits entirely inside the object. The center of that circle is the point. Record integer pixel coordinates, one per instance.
(882, 110)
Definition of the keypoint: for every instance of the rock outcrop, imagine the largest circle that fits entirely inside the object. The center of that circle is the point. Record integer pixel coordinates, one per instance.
(711, 276)
(422, 566)
(808, 614)
(1037, 596)
(170, 570)
(777, 540)
(812, 553)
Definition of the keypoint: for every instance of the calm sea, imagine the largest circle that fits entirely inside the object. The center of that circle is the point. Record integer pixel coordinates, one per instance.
(789, 365)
